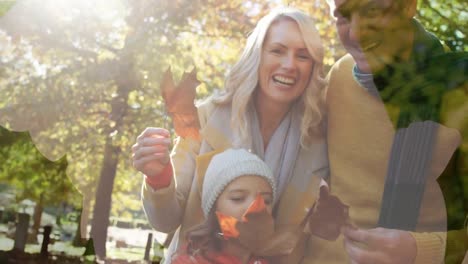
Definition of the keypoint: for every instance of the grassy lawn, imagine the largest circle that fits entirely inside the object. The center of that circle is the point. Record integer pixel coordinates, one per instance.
(65, 248)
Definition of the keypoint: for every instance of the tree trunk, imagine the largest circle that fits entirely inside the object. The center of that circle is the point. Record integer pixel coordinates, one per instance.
(125, 80)
(85, 216)
(79, 240)
(102, 204)
(37, 216)
(103, 201)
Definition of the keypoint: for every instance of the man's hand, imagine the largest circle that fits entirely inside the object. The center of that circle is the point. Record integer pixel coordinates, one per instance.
(379, 246)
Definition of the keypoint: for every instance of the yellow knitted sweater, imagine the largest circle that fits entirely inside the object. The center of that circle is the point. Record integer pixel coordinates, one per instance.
(360, 135)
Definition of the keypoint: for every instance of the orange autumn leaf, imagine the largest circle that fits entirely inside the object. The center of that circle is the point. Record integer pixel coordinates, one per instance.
(179, 102)
(257, 206)
(257, 210)
(257, 232)
(228, 225)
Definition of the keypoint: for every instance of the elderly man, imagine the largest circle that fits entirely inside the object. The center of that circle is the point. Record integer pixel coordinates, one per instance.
(393, 60)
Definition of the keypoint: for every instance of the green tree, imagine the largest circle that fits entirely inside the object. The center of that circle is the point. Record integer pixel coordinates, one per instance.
(84, 80)
(447, 19)
(32, 175)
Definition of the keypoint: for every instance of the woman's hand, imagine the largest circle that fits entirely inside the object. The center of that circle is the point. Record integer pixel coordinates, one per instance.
(150, 153)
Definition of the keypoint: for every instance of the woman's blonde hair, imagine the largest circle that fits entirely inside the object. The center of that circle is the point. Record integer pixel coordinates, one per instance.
(242, 80)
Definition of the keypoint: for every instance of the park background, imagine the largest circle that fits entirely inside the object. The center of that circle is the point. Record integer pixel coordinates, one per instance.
(79, 80)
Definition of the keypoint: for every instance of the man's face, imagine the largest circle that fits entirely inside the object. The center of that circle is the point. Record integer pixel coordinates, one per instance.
(374, 32)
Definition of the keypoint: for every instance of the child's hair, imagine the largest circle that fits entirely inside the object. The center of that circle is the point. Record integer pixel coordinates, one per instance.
(205, 238)
(224, 168)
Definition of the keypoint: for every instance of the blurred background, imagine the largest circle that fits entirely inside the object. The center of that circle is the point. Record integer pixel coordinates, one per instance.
(79, 80)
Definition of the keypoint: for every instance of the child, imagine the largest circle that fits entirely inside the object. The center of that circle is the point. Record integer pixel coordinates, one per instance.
(236, 183)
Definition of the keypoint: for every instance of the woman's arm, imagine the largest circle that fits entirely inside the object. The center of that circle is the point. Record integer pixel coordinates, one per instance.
(164, 207)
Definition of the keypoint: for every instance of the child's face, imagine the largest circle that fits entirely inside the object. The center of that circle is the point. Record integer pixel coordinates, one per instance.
(240, 193)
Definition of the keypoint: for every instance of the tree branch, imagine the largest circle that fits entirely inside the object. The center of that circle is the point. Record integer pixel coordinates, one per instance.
(446, 19)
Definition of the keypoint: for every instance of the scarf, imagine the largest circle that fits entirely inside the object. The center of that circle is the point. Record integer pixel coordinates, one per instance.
(283, 148)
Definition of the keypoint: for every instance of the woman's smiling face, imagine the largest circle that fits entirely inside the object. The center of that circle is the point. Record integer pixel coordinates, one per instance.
(286, 64)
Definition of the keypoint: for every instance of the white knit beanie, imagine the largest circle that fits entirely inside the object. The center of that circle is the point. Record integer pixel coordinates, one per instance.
(228, 166)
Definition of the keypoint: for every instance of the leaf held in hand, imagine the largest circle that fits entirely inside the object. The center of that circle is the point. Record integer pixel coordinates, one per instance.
(328, 216)
(179, 102)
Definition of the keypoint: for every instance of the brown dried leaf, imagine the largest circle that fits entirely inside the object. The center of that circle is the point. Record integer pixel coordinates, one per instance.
(328, 216)
(179, 102)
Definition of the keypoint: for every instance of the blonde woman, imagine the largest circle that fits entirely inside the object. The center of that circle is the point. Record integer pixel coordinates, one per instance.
(271, 106)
